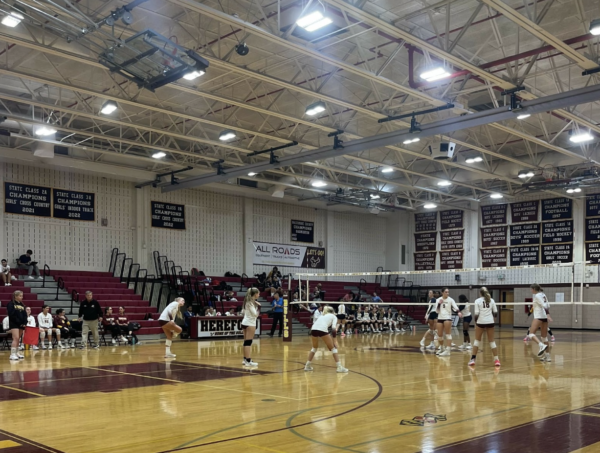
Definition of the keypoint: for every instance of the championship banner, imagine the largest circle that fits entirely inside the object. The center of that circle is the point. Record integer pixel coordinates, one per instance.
(288, 255)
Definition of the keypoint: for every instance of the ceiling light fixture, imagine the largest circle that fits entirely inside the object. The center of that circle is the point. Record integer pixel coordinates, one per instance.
(434, 74)
(573, 190)
(474, 160)
(580, 137)
(387, 170)
(496, 196)
(444, 183)
(430, 206)
(226, 135)
(45, 131)
(12, 19)
(252, 174)
(374, 196)
(108, 107)
(411, 140)
(316, 108)
(526, 174)
(313, 21)
(193, 74)
(159, 155)
(319, 183)
(595, 27)
(522, 116)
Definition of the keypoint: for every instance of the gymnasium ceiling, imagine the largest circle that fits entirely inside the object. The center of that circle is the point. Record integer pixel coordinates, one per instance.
(361, 73)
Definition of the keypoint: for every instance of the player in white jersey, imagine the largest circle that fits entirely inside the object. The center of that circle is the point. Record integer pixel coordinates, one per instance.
(431, 319)
(320, 329)
(485, 312)
(251, 310)
(463, 306)
(540, 321)
(445, 305)
(168, 325)
(341, 315)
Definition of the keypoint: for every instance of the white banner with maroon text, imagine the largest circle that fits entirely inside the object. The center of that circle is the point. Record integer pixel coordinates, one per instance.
(288, 255)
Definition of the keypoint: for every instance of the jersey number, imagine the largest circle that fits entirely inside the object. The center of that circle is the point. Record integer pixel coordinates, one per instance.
(486, 304)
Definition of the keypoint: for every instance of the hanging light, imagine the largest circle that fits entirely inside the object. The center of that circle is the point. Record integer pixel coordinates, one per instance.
(316, 108)
(12, 19)
(522, 116)
(595, 27)
(387, 170)
(496, 196)
(252, 174)
(474, 160)
(411, 140)
(44, 131)
(430, 205)
(580, 137)
(573, 190)
(374, 196)
(431, 75)
(226, 135)
(444, 183)
(319, 183)
(159, 155)
(108, 107)
(193, 74)
(526, 174)
(313, 21)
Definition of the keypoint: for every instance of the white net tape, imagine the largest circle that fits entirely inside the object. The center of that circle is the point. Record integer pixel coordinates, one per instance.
(413, 285)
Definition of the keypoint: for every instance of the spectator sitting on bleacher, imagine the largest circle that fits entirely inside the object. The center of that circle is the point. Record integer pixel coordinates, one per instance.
(274, 274)
(187, 317)
(376, 298)
(127, 328)
(24, 262)
(349, 297)
(5, 325)
(7, 277)
(110, 324)
(230, 296)
(210, 311)
(63, 325)
(316, 295)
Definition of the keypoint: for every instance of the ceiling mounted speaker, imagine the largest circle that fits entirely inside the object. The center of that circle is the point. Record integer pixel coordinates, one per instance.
(242, 49)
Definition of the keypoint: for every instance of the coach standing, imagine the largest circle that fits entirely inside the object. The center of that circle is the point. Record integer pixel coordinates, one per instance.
(91, 313)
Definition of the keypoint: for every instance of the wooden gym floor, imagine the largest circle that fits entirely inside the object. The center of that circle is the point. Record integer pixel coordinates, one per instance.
(396, 398)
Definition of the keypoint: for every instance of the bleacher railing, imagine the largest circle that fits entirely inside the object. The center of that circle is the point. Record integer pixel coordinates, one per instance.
(46, 273)
(74, 298)
(60, 285)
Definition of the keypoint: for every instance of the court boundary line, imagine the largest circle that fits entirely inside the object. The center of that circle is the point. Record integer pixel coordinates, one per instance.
(30, 442)
(285, 428)
(21, 390)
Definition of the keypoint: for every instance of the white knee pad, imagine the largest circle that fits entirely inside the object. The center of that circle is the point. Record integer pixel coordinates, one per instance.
(448, 337)
(42, 335)
(476, 344)
(544, 339)
(334, 350)
(493, 345)
(313, 350)
(531, 335)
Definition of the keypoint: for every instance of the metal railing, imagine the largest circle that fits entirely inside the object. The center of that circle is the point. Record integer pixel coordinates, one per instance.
(59, 286)
(45, 272)
(74, 298)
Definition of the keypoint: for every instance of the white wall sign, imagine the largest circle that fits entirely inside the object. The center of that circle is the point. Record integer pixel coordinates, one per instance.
(288, 255)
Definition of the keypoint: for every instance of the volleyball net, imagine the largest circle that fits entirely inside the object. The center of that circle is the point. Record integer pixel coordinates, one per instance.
(564, 283)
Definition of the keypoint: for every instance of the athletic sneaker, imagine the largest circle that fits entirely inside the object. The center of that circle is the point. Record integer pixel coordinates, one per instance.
(21, 347)
(543, 347)
(308, 368)
(20, 356)
(43, 346)
(471, 362)
(552, 339)
(496, 362)
(49, 346)
(96, 346)
(446, 353)
(250, 363)
(341, 369)
(170, 355)
(431, 346)
(422, 343)
(13, 357)
(462, 347)
(548, 358)
(35, 348)
(114, 342)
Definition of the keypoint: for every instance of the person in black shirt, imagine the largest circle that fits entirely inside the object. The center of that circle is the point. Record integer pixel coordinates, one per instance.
(17, 320)
(25, 262)
(90, 312)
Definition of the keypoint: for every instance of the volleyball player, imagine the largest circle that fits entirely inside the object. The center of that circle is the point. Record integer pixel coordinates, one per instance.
(463, 305)
(17, 320)
(485, 311)
(320, 329)
(540, 321)
(167, 322)
(431, 319)
(341, 316)
(445, 305)
(251, 310)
